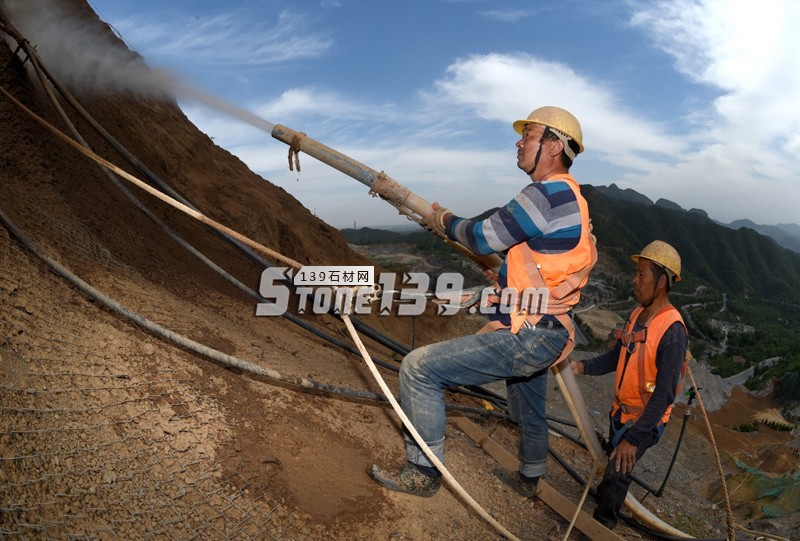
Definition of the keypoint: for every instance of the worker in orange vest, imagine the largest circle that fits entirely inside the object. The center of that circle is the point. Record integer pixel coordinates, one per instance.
(546, 232)
(649, 358)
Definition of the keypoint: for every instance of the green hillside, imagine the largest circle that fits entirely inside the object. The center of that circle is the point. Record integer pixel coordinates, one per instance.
(740, 262)
(367, 236)
(734, 261)
(759, 278)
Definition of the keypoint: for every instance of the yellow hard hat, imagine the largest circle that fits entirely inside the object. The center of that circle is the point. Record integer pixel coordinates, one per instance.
(560, 121)
(665, 255)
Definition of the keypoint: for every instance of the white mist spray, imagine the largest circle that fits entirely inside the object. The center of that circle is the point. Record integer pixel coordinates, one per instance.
(221, 105)
(89, 59)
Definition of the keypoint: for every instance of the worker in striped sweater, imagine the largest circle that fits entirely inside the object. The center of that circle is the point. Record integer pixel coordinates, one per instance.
(546, 235)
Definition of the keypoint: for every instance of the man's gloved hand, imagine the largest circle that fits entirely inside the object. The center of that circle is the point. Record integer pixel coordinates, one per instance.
(435, 221)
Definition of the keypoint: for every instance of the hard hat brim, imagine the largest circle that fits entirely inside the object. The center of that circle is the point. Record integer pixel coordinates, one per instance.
(636, 258)
(519, 127)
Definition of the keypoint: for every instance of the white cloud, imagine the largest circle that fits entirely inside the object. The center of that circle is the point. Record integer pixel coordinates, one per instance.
(746, 50)
(507, 87)
(232, 38)
(731, 158)
(507, 15)
(320, 105)
(744, 155)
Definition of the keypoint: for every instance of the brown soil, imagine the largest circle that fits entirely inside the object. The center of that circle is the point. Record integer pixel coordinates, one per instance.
(740, 409)
(109, 431)
(601, 322)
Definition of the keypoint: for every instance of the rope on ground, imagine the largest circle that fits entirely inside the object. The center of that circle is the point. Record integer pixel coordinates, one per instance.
(728, 510)
(586, 489)
(760, 536)
(417, 438)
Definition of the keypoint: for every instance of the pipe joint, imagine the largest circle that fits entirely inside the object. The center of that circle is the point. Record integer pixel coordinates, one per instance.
(389, 189)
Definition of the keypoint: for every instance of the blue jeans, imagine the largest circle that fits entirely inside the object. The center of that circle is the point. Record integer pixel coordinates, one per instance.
(521, 359)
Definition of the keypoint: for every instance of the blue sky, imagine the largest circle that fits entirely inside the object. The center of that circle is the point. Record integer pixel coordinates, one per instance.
(692, 101)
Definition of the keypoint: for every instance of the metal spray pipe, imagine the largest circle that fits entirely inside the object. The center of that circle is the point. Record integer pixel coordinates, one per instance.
(378, 183)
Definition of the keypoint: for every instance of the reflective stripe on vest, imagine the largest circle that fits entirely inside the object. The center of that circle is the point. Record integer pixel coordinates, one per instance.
(561, 275)
(639, 366)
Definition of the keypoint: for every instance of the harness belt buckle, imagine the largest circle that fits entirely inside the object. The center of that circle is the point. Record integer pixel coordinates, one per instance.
(627, 409)
(518, 320)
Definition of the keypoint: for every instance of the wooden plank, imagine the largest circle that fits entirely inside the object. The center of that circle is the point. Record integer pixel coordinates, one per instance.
(550, 496)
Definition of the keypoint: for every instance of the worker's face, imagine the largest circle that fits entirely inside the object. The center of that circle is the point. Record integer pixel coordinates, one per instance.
(644, 282)
(528, 146)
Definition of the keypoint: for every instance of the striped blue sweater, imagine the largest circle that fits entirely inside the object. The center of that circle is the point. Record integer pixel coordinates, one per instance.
(544, 214)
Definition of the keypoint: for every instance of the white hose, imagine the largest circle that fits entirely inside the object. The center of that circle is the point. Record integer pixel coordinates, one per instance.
(451, 481)
(253, 244)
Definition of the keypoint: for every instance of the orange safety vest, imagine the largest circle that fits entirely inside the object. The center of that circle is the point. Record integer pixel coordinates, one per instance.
(634, 391)
(561, 275)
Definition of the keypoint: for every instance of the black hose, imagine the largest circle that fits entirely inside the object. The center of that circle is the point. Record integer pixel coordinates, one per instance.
(235, 363)
(630, 521)
(219, 357)
(686, 413)
(379, 337)
(567, 435)
(186, 245)
(157, 182)
(254, 257)
(481, 396)
(562, 421)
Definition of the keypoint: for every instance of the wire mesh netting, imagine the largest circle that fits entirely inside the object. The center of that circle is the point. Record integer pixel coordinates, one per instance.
(99, 437)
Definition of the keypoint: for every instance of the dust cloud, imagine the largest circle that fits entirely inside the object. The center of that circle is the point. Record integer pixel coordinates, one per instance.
(88, 58)
(84, 55)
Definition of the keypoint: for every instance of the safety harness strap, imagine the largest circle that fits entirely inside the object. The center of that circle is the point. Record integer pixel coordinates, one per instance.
(631, 340)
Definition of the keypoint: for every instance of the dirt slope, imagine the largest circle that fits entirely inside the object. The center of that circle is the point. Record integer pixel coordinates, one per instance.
(109, 431)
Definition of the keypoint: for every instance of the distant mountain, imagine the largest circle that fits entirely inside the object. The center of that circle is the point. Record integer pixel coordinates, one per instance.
(667, 204)
(792, 229)
(782, 234)
(631, 196)
(740, 261)
(786, 235)
(368, 235)
(736, 224)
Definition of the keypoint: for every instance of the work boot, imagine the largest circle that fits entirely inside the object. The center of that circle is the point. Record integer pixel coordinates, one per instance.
(524, 486)
(609, 523)
(408, 478)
